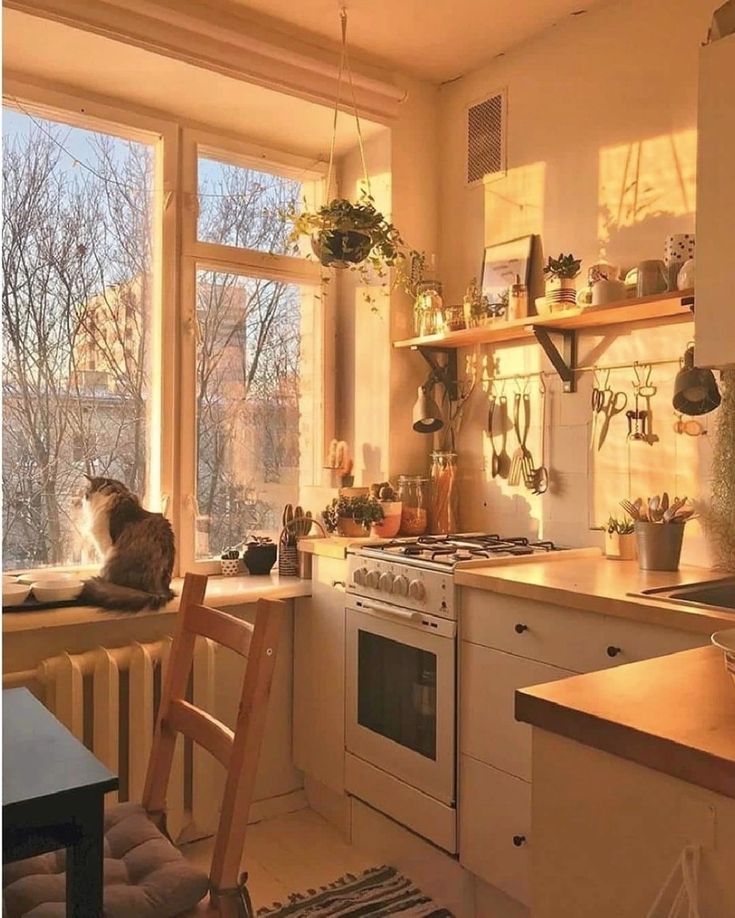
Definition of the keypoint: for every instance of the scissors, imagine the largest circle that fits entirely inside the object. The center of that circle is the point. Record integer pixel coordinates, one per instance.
(612, 403)
(597, 402)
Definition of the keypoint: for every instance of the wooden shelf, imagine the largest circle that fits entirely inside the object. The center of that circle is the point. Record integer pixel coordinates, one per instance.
(672, 305)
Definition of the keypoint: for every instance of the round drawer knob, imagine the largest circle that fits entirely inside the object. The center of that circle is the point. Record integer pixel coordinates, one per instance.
(520, 628)
(613, 651)
(519, 840)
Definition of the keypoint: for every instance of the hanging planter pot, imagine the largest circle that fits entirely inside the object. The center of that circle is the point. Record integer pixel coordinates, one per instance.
(341, 248)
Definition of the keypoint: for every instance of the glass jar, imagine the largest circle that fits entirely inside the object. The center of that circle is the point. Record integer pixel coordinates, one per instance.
(414, 509)
(454, 317)
(443, 500)
(428, 309)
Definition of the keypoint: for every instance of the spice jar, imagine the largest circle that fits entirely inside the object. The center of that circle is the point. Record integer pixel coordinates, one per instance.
(414, 510)
(517, 300)
(454, 317)
(443, 500)
(428, 309)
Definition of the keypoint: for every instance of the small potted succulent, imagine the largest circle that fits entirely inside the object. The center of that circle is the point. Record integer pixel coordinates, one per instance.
(561, 287)
(620, 541)
(260, 555)
(230, 562)
(387, 497)
(352, 517)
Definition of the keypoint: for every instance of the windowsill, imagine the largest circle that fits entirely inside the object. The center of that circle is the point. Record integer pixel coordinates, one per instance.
(221, 592)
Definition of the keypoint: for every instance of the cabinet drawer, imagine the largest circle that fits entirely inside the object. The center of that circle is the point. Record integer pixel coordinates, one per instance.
(567, 638)
(494, 827)
(488, 730)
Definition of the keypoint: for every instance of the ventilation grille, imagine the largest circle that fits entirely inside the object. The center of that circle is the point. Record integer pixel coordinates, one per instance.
(485, 138)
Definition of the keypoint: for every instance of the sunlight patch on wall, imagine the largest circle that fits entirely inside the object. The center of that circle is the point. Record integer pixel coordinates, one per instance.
(514, 203)
(650, 178)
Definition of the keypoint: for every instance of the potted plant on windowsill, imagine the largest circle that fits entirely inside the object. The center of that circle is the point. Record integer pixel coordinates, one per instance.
(561, 287)
(352, 517)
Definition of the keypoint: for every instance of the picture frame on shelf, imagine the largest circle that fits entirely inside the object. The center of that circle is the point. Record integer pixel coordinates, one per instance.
(500, 265)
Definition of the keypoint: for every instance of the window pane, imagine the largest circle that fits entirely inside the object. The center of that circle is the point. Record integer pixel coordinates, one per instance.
(77, 212)
(248, 444)
(244, 207)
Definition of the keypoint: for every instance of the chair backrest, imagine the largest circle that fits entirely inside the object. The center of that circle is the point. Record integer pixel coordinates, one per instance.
(237, 751)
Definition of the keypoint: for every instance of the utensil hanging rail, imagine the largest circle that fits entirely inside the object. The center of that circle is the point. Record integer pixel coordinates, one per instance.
(628, 365)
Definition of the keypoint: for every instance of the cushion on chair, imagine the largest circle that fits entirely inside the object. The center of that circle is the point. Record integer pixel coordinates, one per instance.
(145, 875)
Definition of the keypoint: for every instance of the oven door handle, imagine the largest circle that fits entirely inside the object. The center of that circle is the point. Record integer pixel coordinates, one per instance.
(403, 614)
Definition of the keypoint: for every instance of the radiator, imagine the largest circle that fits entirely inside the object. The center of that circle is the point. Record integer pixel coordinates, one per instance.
(108, 698)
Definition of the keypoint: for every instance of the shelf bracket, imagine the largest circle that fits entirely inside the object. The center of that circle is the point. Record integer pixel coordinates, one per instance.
(444, 373)
(564, 361)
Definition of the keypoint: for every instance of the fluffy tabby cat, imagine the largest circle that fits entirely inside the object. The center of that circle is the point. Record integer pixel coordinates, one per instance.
(137, 548)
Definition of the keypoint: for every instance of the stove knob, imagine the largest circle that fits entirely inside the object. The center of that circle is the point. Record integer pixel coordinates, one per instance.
(360, 575)
(385, 584)
(400, 585)
(416, 590)
(372, 580)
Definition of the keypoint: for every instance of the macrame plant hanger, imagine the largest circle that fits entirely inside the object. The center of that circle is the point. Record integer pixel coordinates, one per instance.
(345, 66)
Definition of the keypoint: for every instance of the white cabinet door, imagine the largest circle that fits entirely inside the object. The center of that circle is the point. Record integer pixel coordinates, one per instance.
(715, 314)
(495, 827)
(319, 676)
(488, 730)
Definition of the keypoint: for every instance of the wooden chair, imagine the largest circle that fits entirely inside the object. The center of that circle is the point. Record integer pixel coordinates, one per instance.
(239, 751)
(144, 874)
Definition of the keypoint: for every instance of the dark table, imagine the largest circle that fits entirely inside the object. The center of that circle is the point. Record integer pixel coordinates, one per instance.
(53, 793)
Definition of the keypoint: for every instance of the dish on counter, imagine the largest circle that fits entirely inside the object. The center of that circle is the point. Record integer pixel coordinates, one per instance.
(725, 640)
(15, 593)
(59, 590)
(42, 576)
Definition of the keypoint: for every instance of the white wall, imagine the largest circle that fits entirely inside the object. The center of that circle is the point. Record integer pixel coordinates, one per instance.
(601, 149)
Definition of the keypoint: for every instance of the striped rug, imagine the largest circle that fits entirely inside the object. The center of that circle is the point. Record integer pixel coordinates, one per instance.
(378, 891)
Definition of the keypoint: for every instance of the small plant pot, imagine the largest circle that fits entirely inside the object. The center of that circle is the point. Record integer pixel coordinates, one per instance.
(341, 248)
(621, 546)
(230, 567)
(259, 559)
(560, 293)
(388, 527)
(350, 529)
(659, 545)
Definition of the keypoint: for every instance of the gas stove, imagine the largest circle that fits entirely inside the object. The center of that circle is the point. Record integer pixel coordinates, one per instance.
(446, 552)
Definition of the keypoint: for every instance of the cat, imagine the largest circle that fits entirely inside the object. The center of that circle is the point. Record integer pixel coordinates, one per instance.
(137, 548)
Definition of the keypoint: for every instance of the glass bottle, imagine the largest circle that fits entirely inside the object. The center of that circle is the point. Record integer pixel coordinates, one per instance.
(414, 509)
(443, 500)
(428, 308)
(518, 300)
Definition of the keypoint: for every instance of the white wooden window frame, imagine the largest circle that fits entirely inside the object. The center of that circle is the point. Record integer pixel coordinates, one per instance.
(178, 254)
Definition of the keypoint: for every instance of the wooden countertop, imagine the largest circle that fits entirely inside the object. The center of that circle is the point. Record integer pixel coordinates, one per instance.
(598, 584)
(332, 546)
(674, 714)
(221, 592)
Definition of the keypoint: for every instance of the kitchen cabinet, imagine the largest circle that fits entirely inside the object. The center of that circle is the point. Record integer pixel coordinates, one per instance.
(495, 832)
(508, 643)
(319, 676)
(715, 316)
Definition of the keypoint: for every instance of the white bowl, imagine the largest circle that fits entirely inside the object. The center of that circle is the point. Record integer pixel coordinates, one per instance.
(56, 590)
(41, 576)
(725, 640)
(15, 593)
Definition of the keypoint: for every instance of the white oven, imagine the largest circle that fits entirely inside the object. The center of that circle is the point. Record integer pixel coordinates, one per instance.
(400, 725)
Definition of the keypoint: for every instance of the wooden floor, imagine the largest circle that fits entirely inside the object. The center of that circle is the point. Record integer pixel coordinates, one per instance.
(290, 853)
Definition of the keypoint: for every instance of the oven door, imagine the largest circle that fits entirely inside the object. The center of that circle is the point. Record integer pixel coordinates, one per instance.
(400, 694)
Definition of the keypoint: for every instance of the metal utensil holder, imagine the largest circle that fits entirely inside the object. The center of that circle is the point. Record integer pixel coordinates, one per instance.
(291, 561)
(659, 545)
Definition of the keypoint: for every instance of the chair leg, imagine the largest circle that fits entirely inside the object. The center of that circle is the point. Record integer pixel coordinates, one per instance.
(234, 903)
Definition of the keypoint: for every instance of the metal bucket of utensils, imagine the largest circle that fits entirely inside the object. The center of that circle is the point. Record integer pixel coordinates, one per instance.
(659, 545)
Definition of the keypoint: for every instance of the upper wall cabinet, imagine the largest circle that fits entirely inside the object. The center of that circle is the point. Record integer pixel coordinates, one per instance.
(715, 307)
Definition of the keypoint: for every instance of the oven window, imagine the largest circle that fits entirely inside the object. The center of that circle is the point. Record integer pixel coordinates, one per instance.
(396, 692)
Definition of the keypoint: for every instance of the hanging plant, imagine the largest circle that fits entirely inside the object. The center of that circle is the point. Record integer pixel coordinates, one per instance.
(352, 234)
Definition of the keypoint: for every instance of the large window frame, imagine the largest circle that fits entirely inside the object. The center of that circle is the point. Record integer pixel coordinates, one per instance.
(177, 256)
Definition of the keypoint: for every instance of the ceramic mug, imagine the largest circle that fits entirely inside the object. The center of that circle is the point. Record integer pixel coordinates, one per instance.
(607, 291)
(652, 277)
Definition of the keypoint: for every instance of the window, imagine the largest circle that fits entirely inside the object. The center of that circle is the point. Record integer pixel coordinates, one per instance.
(159, 327)
(77, 243)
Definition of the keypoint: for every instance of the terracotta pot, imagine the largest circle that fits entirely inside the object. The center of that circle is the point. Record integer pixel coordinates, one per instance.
(341, 248)
(621, 546)
(350, 529)
(388, 527)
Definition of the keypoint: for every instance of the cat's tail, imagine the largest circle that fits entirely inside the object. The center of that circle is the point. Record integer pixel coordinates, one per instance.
(108, 595)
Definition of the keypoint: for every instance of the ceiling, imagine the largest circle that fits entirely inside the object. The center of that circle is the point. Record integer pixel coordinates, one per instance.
(60, 54)
(435, 40)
